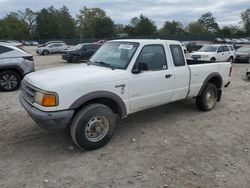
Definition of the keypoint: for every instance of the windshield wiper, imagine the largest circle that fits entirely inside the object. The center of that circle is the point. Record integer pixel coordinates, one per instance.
(104, 64)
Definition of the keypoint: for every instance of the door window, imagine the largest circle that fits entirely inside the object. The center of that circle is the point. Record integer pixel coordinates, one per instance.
(177, 54)
(220, 49)
(153, 57)
(225, 49)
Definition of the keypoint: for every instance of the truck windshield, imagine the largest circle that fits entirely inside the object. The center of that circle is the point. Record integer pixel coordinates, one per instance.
(208, 49)
(116, 55)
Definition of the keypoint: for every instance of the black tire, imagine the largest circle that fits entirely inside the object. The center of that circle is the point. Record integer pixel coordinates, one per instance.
(212, 60)
(231, 60)
(82, 130)
(45, 52)
(9, 80)
(204, 102)
(76, 59)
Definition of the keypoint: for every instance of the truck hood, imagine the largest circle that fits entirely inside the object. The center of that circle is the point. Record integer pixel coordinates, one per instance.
(73, 76)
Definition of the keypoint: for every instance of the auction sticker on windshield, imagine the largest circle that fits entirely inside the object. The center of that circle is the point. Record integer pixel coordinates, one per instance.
(126, 46)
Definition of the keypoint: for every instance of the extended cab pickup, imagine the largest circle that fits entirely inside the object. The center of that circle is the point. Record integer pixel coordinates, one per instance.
(123, 77)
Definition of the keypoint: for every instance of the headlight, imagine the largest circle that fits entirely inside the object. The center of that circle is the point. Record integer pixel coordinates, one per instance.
(204, 56)
(46, 99)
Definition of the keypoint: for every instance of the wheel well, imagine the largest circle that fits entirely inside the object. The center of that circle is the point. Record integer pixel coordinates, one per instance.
(213, 58)
(105, 101)
(216, 81)
(14, 70)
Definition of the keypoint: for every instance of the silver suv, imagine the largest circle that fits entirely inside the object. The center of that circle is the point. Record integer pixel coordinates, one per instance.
(52, 48)
(15, 63)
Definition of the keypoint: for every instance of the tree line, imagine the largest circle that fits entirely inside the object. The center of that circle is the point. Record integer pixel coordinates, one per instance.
(52, 23)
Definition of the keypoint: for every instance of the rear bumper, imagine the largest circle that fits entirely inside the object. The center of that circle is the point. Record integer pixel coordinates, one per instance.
(52, 121)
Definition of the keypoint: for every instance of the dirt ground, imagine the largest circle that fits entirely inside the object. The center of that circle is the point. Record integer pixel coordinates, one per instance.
(174, 145)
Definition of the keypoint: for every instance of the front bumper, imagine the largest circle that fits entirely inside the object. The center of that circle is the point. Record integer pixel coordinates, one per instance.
(51, 121)
(66, 57)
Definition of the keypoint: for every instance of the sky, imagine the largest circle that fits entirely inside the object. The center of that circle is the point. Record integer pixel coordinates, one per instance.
(227, 12)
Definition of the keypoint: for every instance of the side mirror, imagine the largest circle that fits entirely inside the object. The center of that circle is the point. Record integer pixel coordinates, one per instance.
(139, 67)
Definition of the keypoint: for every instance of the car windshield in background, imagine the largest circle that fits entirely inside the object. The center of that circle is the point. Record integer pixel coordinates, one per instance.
(78, 46)
(208, 49)
(115, 54)
(244, 50)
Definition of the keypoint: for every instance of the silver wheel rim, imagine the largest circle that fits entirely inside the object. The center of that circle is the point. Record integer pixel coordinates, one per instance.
(8, 81)
(97, 128)
(210, 98)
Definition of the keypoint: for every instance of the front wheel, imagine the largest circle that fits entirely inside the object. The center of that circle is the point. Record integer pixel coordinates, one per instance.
(93, 126)
(76, 59)
(212, 60)
(207, 100)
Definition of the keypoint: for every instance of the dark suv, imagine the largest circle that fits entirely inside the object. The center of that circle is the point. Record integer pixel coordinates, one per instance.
(80, 52)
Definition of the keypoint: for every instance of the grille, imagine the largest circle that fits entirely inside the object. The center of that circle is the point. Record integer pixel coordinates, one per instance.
(196, 56)
(28, 92)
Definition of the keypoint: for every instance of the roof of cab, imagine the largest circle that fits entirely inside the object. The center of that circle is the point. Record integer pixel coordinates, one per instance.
(148, 41)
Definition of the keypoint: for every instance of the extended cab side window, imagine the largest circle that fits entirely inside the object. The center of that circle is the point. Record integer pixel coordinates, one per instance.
(153, 57)
(177, 54)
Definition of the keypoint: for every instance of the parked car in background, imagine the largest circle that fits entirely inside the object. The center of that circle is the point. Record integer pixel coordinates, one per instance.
(227, 40)
(214, 53)
(50, 42)
(15, 63)
(80, 52)
(243, 54)
(191, 46)
(52, 48)
(12, 43)
(30, 43)
(218, 40)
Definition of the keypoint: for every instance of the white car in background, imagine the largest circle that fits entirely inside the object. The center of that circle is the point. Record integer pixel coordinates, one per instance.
(12, 43)
(52, 48)
(214, 53)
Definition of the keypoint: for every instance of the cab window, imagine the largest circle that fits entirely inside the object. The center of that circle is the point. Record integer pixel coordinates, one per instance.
(177, 54)
(153, 58)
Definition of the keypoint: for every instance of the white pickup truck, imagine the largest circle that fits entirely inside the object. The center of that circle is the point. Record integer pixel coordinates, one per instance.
(123, 77)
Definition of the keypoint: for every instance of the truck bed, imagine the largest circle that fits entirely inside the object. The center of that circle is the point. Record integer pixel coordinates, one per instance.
(199, 72)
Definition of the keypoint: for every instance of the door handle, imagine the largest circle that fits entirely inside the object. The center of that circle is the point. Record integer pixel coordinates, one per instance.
(168, 76)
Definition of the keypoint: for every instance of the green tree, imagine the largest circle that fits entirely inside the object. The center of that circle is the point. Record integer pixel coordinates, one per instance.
(171, 28)
(94, 19)
(143, 25)
(48, 24)
(209, 22)
(67, 24)
(11, 27)
(195, 28)
(225, 31)
(29, 17)
(245, 17)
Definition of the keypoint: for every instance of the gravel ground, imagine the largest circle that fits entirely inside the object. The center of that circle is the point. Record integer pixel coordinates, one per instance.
(174, 145)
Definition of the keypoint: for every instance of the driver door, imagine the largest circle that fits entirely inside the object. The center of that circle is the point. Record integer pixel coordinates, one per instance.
(153, 85)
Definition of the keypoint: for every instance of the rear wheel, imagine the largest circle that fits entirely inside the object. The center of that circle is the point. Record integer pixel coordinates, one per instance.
(9, 81)
(207, 100)
(231, 59)
(45, 52)
(93, 126)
